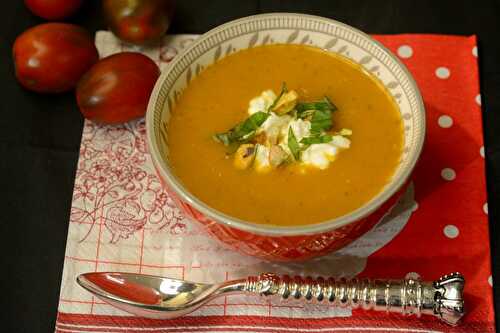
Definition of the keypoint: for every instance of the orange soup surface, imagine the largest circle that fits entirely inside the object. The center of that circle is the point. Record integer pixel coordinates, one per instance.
(218, 98)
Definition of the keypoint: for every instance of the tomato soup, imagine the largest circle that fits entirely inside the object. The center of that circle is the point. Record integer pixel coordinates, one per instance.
(288, 195)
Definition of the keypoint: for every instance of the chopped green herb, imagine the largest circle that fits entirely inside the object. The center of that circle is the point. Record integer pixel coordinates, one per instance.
(320, 114)
(316, 139)
(307, 114)
(293, 144)
(232, 148)
(321, 121)
(284, 89)
(244, 131)
(251, 124)
(304, 109)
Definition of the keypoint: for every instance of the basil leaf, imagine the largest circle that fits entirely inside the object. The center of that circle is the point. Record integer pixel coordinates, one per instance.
(232, 148)
(284, 89)
(319, 112)
(304, 114)
(251, 124)
(244, 131)
(293, 144)
(316, 139)
(321, 121)
(324, 104)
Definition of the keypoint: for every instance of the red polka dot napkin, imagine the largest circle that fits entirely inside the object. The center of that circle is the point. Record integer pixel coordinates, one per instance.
(448, 231)
(122, 220)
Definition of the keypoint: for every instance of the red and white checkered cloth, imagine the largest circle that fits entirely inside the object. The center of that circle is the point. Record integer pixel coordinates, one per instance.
(122, 220)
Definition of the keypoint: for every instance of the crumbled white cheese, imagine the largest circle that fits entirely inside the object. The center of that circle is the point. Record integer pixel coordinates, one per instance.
(301, 129)
(261, 162)
(340, 141)
(262, 102)
(320, 155)
(273, 127)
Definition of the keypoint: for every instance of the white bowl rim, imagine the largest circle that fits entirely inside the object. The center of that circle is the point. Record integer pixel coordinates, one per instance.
(274, 230)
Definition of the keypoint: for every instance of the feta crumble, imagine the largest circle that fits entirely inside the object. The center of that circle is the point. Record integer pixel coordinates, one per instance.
(261, 103)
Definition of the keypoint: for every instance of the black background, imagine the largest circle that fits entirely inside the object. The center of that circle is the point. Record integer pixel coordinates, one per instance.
(40, 135)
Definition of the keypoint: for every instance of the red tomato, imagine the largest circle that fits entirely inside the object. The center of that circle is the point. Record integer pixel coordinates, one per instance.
(51, 57)
(138, 21)
(117, 88)
(53, 9)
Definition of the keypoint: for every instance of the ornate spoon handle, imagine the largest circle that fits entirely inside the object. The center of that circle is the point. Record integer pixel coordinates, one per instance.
(410, 296)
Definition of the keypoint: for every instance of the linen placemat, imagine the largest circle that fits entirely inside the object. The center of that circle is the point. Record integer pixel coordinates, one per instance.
(122, 220)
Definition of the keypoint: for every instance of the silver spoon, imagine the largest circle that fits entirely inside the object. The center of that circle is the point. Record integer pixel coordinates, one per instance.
(165, 298)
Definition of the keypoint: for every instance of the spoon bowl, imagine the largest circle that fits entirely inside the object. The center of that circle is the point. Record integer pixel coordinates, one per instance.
(151, 296)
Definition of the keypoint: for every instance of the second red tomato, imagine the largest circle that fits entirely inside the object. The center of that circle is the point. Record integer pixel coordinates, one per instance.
(117, 88)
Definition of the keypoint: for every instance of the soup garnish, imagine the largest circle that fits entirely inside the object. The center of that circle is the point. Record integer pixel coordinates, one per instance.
(281, 131)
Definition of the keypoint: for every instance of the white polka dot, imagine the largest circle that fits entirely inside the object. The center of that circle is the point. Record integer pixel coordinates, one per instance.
(490, 280)
(405, 51)
(481, 151)
(474, 51)
(478, 99)
(445, 121)
(485, 208)
(451, 231)
(442, 72)
(448, 174)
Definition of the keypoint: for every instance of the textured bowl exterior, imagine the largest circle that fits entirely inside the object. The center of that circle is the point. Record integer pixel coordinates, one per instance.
(273, 242)
(286, 248)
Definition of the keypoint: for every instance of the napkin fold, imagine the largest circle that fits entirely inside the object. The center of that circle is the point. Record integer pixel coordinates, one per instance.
(122, 220)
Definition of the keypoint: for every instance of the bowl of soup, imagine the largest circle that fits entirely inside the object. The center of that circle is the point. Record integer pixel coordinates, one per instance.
(287, 136)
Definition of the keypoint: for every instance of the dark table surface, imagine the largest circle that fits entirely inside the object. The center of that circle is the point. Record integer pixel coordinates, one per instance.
(40, 135)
